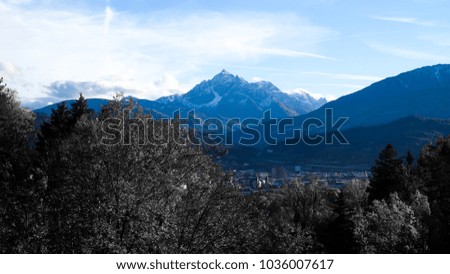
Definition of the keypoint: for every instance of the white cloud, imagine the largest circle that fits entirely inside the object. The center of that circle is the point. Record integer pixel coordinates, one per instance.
(168, 84)
(407, 20)
(314, 95)
(287, 53)
(134, 50)
(71, 90)
(410, 54)
(343, 76)
(109, 15)
(167, 81)
(256, 79)
(9, 70)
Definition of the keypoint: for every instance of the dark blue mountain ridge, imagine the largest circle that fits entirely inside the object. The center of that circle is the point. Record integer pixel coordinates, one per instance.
(97, 103)
(423, 92)
(406, 134)
(93, 103)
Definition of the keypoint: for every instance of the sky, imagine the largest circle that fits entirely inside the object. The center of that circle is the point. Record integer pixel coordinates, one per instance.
(51, 50)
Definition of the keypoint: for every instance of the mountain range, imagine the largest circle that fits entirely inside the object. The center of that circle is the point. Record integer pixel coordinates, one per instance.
(227, 96)
(224, 96)
(408, 110)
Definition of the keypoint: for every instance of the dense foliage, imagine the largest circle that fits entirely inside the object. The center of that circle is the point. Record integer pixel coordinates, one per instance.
(63, 190)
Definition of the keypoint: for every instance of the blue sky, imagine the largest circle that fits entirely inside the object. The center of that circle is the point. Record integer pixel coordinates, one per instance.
(154, 48)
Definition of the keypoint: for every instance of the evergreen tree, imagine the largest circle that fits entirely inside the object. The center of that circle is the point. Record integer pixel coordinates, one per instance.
(78, 109)
(434, 171)
(409, 159)
(352, 201)
(57, 128)
(387, 175)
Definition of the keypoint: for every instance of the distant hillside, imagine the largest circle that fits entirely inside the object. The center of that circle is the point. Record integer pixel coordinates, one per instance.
(410, 133)
(93, 103)
(423, 92)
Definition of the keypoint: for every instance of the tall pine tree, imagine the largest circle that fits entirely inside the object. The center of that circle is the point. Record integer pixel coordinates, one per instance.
(387, 175)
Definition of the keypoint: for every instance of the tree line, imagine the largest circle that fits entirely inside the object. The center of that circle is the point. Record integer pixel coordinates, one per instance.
(62, 191)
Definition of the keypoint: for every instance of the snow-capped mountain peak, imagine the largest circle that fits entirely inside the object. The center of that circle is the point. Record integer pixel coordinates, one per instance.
(227, 96)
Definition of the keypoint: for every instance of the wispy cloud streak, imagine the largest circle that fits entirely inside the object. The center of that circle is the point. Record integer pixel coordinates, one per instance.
(343, 76)
(406, 20)
(410, 53)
